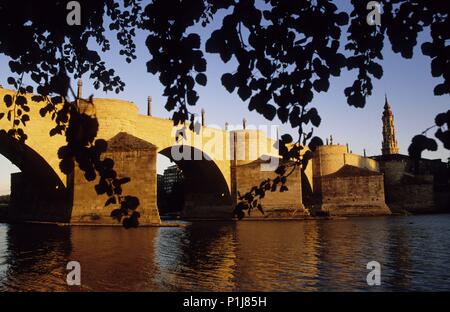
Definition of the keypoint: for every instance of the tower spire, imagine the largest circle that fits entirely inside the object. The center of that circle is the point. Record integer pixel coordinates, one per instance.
(386, 104)
(389, 145)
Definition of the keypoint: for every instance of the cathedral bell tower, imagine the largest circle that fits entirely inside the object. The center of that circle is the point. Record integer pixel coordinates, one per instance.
(389, 141)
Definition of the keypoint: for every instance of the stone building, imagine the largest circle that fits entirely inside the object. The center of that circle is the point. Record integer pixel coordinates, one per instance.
(416, 186)
(353, 191)
(346, 184)
(411, 185)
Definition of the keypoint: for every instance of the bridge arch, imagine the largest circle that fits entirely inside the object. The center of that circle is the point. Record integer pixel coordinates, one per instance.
(37, 192)
(206, 191)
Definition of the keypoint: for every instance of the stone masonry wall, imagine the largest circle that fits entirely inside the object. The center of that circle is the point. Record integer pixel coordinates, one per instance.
(356, 195)
(411, 197)
(275, 204)
(330, 158)
(140, 167)
(393, 171)
(406, 191)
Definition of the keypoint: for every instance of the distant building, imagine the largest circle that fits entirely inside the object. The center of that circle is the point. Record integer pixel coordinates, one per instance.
(159, 182)
(172, 175)
(170, 191)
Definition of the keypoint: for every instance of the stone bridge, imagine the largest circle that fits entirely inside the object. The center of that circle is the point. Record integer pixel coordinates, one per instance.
(216, 164)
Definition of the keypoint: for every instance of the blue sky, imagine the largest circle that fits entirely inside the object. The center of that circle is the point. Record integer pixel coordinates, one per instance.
(408, 84)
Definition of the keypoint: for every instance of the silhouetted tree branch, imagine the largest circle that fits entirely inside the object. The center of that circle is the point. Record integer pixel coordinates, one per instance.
(421, 142)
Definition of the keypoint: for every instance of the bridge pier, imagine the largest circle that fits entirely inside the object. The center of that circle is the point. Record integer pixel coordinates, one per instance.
(275, 204)
(254, 161)
(133, 158)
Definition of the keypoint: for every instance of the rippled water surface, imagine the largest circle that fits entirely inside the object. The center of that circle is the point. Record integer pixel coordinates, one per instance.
(414, 253)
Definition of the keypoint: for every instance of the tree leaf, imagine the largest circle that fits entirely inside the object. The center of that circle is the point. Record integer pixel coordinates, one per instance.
(201, 79)
(8, 100)
(228, 82)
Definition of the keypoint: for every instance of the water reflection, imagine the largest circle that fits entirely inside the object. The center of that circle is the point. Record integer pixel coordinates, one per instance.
(399, 251)
(281, 256)
(200, 257)
(35, 257)
(224, 256)
(115, 259)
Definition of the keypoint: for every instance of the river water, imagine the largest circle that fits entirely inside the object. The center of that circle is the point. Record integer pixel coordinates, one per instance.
(317, 255)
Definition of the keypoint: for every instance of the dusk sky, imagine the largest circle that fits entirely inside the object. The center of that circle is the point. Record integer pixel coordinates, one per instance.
(408, 84)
